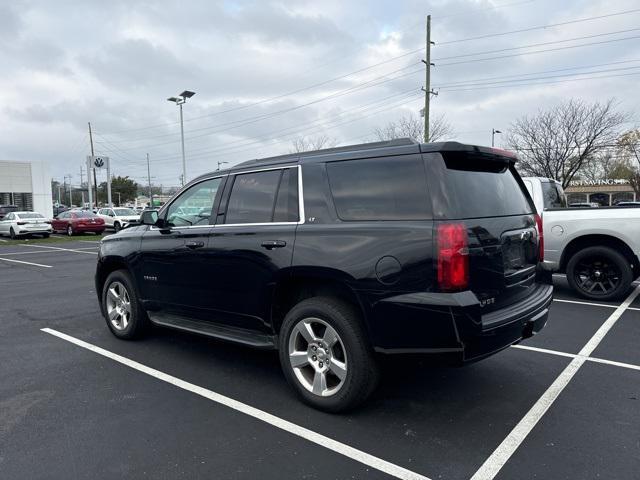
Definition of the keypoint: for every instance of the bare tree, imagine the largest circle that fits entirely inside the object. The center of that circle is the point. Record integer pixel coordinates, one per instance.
(629, 149)
(559, 142)
(412, 126)
(305, 144)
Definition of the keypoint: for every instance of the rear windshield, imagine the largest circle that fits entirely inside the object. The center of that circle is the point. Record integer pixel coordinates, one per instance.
(27, 216)
(84, 214)
(482, 188)
(553, 195)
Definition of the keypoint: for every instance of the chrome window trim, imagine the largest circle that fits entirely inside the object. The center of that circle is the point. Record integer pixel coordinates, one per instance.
(301, 211)
(168, 205)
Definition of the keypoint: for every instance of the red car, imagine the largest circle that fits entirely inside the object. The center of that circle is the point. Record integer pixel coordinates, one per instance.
(73, 222)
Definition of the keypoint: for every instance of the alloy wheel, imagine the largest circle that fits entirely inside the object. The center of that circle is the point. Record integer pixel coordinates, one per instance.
(118, 306)
(597, 275)
(318, 357)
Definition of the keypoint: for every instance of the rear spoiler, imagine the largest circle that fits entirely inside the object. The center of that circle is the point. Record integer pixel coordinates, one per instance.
(487, 153)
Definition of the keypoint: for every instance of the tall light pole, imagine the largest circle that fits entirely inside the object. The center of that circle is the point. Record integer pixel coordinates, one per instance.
(493, 136)
(179, 100)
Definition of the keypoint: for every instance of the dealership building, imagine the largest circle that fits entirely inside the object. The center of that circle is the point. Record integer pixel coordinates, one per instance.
(607, 192)
(26, 185)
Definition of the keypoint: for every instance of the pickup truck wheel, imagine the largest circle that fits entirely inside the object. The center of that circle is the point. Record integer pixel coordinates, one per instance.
(121, 308)
(326, 356)
(599, 273)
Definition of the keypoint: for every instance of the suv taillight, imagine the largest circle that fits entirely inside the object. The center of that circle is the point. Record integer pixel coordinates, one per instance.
(453, 257)
(540, 237)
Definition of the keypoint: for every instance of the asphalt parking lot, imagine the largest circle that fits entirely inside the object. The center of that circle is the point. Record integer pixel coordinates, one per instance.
(77, 403)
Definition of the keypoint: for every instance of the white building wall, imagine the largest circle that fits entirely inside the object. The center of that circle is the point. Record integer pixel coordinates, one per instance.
(41, 184)
(28, 177)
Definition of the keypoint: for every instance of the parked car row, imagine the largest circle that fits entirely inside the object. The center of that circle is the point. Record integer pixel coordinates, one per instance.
(73, 221)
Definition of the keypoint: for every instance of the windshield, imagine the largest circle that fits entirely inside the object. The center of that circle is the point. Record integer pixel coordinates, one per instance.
(120, 212)
(29, 215)
(84, 214)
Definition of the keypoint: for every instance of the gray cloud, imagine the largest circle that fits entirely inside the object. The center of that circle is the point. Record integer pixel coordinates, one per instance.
(114, 63)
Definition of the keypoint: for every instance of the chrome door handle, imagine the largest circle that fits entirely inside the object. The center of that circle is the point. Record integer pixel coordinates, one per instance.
(194, 245)
(271, 244)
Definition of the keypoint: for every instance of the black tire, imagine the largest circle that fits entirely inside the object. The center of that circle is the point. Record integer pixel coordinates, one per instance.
(70, 231)
(12, 234)
(362, 371)
(117, 227)
(138, 322)
(45, 235)
(599, 273)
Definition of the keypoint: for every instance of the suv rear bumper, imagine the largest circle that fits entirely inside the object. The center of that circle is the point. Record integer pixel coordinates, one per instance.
(453, 326)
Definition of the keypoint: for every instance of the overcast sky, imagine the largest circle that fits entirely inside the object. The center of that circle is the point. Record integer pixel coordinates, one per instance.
(266, 72)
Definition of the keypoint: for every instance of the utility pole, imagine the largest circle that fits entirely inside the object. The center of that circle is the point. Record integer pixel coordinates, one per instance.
(427, 88)
(149, 179)
(95, 181)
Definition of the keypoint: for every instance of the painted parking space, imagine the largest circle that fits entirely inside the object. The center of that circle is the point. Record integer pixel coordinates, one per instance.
(569, 327)
(591, 431)
(622, 344)
(438, 422)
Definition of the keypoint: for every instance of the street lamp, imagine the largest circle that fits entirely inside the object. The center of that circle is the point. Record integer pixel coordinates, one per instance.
(219, 164)
(493, 136)
(179, 100)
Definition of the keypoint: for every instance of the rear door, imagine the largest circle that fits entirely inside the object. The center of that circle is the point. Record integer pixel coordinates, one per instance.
(252, 245)
(486, 194)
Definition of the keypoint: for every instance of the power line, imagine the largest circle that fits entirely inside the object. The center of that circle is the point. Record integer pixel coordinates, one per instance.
(296, 130)
(250, 120)
(455, 89)
(471, 84)
(541, 72)
(540, 51)
(540, 27)
(486, 52)
(355, 88)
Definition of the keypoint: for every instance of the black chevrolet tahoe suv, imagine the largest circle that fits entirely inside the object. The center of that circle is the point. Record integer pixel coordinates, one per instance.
(336, 256)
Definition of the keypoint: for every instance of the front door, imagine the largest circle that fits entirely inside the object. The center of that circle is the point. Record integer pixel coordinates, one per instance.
(252, 245)
(172, 267)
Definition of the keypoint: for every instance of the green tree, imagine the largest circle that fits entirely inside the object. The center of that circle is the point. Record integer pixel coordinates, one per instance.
(127, 188)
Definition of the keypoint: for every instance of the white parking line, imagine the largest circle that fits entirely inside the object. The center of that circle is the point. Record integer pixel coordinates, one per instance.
(509, 445)
(89, 241)
(25, 263)
(579, 302)
(309, 435)
(61, 249)
(3, 240)
(605, 305)
(574, 355)
(35, 252)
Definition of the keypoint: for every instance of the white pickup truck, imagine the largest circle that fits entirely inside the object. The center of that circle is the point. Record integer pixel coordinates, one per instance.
(597, 248)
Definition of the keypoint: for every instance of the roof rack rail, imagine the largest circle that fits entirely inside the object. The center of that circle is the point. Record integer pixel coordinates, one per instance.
(396, 142)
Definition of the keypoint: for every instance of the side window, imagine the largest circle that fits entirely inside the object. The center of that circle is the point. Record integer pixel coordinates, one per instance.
(102, 212)
(9, 216)
(379, 189)
(252, 197)
(286, 209)
(194, 206)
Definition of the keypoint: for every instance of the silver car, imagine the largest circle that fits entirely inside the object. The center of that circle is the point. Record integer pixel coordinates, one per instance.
(18, 224)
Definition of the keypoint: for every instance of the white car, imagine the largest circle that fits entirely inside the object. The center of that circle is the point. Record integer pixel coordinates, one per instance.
(18, 224)
(119, 217)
